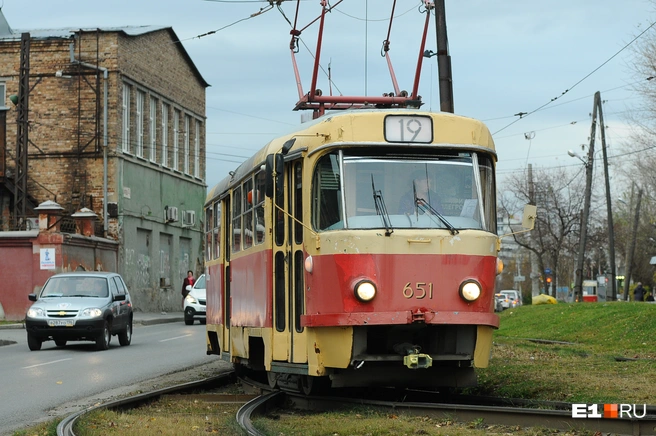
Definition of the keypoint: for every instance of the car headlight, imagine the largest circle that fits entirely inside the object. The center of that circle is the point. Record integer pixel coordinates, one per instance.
(365, 291)
(36, 312)
(470, 290)
(91, 312)
(191, 300)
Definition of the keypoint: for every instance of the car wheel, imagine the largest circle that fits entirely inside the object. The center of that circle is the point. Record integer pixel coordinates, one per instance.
(125, 337)
(60, 342)
(102, 341)
(33, 342)
(189, 316)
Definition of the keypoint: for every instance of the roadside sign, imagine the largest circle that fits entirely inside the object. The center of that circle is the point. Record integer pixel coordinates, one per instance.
(519, 278)
(547, 270)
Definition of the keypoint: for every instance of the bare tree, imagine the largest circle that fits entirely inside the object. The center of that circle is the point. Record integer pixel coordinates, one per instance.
(558, 194)
(636, 163)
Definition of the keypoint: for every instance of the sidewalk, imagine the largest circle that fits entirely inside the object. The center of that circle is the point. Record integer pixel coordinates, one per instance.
(143, 318)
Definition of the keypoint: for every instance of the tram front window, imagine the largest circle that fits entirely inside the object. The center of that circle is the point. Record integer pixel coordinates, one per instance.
(455, 189)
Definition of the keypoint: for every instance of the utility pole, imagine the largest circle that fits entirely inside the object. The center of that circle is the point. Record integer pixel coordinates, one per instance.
(634, 234)
(443, 59)
(22, 140)
(535, 286)
(611, 230)
(578, 284)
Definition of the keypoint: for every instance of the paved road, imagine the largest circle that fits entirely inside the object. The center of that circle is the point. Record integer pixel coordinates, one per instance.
(39, 385)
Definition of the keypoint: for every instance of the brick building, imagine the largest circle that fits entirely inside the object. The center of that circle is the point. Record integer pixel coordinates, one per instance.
(113, 120)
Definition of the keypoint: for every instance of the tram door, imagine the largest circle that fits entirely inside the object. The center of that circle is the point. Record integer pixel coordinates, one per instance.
(290, 341)
(225, 276)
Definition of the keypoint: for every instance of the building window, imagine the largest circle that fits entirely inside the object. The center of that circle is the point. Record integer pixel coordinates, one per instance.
(152, 121)
(176, 137)
(139, 123)
(186, 144)
(126, 118)
(165, 134)
(3, 95)
(197, 150)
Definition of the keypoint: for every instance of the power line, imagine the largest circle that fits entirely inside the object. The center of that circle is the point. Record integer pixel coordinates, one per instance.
(525, 114)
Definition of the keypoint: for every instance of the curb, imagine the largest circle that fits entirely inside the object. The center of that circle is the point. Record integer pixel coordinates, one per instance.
(12, 326)
(158, 321)
(142, 322)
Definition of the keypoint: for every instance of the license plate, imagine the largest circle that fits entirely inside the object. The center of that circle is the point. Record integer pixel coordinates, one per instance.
(61, 323)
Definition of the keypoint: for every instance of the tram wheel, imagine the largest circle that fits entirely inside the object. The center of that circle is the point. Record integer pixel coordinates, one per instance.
(314, 385)
(272, 378)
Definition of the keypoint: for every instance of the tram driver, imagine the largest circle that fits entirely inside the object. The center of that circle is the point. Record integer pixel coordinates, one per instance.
(421, 196)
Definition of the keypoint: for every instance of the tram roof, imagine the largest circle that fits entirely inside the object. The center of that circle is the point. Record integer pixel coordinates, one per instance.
(463, 128)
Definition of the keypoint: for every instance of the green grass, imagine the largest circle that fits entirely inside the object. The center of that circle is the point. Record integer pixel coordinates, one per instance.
(611, 328)
(586, 367)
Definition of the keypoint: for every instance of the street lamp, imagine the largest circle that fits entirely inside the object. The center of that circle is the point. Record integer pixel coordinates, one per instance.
(572, 153)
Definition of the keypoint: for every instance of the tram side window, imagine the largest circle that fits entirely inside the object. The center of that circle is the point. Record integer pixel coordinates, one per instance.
(258, 195)
(298, 203)
(489, 191)
(236, 219)
(208, 232)
(247, 221)
(326, 194)
(217, 230)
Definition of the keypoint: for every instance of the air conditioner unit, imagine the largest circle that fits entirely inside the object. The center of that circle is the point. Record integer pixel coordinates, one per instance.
(189, 218)
(171, 214)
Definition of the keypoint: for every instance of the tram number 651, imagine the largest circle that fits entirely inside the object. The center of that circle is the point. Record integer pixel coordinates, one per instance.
(420, 290)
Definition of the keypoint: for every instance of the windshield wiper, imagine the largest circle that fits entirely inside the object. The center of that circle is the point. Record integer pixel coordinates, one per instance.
(381, 209)
(425, 206)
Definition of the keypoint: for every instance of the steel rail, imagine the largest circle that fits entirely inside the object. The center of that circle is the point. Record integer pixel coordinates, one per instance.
(258, 405)
(497, 415)
(552, 415)
(65, 427)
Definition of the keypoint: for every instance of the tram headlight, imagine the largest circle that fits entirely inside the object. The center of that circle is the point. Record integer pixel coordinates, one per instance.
(470, 290)
(309, 264)
(365, 291)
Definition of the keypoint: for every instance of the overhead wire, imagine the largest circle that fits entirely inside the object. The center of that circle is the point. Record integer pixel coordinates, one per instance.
(523, 115)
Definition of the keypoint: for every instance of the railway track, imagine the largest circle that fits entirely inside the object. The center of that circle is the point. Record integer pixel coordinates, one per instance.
(491, 411)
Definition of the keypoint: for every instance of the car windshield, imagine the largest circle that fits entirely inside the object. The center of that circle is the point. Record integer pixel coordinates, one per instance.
(200, 283)
(75, 287)
(451, 190)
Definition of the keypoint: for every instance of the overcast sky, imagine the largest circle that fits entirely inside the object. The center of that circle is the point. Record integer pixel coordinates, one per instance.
(508, 56)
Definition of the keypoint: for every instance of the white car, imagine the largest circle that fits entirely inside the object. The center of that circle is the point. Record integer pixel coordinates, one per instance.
(514, 296)
(195, 302)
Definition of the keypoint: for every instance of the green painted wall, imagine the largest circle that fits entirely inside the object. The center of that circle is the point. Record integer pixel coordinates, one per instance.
(155, 254)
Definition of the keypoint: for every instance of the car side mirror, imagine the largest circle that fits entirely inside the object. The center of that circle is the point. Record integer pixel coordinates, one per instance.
(119, 297)
(188, 288)
(31, 297)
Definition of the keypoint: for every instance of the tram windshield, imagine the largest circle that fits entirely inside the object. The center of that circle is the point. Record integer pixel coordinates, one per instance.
(450, 191)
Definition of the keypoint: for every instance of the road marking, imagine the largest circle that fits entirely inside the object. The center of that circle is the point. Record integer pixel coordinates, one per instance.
(177, 337)
(47, 363)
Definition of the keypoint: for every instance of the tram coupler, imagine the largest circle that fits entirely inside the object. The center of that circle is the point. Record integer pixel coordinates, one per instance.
(418, 361)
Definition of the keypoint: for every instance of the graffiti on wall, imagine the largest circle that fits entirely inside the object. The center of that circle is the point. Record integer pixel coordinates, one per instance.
(137, 268)
(164, 264)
